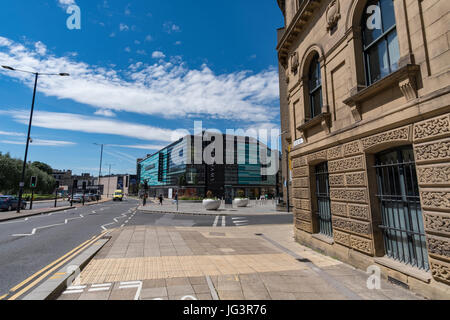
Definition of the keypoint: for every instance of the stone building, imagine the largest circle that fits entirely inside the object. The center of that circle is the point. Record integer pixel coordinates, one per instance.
(367, 87)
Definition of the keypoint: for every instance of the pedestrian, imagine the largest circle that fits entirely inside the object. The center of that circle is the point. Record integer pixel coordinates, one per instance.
(160, 200)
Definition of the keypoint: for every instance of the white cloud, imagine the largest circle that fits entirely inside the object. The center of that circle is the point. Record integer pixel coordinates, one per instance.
(167, 89)
(177, 43)
(80, 123)
(105, 113)
(141, 52)
(124, 27)
(158, 55)
(112, 35)
(151, 147)
(127, 49)
(148, 38)
(41, 143)
(11, 134)
(66, 3)
(40, 48)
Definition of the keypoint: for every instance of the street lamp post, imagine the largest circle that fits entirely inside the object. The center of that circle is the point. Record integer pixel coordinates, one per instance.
(101, 160)
(36, 76)
(287, 174)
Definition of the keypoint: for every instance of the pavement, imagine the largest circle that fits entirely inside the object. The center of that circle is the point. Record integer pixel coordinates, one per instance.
(218, 262)
(255, 207)
(30, 245)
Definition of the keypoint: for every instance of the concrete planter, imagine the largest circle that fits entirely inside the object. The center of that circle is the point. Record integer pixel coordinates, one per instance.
(210, 204)
(240, 203)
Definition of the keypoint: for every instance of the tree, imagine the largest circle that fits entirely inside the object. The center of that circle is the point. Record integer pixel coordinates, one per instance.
(43, 166)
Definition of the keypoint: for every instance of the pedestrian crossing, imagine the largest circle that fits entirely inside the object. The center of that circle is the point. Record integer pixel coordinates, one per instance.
(221, 222)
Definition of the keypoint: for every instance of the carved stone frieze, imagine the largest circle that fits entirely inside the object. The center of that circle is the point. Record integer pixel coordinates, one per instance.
(437, 223)
(435, 151)
(341, 238)
(438, 200)
(438, 127)
(294, 62)
(397, 135)
(303, 215)
(349, 195)
(432, 176)
(300, 172)
(348, 164)
(335, 153)
(352, 148)
(355, 179)
(300, 182)
(440, 271)
(302, 204)
(352, 226)
(339, 209)
(337, 180)
(361, 244)
(301, 193)
(299, 162)
(439, 246)
(359, 212)
(321, 155)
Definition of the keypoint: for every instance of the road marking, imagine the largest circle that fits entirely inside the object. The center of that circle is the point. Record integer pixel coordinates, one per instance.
(76, 287)
(216, 221)
(223, 222)
(3, 296)
(62, 260)
(103, 226)
(99, 289)
(101, 285)
(130, 285)
(72, 291)
(211, 288)
(33, 232)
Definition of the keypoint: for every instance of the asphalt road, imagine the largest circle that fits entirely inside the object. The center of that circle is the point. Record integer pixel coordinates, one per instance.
(160, 219)
(27, 245)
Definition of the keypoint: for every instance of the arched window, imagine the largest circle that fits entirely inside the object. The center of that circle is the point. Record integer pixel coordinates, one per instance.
(380, 42)
(315, 87)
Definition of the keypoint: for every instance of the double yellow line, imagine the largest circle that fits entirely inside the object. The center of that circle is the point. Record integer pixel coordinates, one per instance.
(44, 272)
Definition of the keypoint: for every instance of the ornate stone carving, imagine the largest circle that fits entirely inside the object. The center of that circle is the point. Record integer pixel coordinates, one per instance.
(357, 227)
(305, 226)
(341, 237)
(339, 209)
(441, 271)
(433, 128)
(299, 162)
(345, 165)
(361, 244)
(294, 62)
(335, 153)
(436, 175)
(333, 14)
(286, 76)
(301, 193)
(397, 135)
(302, 204)
(437, 222)
(337, 180)
(435, 151)
(439, 200)
(408, 87)
(300, 172)
(355, 179)
(352, 148)
(321, 155)
(359, 212)
(301, 182)
(349, 195)
(439, 246)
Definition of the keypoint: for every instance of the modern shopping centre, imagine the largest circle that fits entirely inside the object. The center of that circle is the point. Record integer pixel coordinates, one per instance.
(222, 164)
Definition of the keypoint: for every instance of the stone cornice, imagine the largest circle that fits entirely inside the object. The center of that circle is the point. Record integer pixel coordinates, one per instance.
(295, 27)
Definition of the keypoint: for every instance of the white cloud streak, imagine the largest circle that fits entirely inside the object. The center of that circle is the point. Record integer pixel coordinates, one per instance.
(166, 89)
(41, 143)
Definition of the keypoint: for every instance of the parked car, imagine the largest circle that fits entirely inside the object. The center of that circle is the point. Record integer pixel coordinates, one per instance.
(10, 203)
(78, 198)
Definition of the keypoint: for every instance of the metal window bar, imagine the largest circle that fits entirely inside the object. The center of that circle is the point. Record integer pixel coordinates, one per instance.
(323, 200)
(403, 229)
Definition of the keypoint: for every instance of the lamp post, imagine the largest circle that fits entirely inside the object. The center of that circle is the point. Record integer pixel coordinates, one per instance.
(101, 160)
(287, 174)
(36, 76)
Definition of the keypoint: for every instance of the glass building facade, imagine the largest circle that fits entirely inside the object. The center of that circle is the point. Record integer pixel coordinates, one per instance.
(180, 167)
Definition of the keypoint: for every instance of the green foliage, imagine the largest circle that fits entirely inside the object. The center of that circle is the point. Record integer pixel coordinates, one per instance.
(43, 166)
(209, 195)
(241, 194)
(11, 171)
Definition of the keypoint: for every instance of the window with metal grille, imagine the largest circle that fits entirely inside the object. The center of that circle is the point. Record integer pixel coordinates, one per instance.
(315, 87)
(401, 212)
(323, 199)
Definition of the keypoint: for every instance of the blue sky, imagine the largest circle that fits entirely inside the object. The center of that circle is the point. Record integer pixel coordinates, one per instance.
(140, 71)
